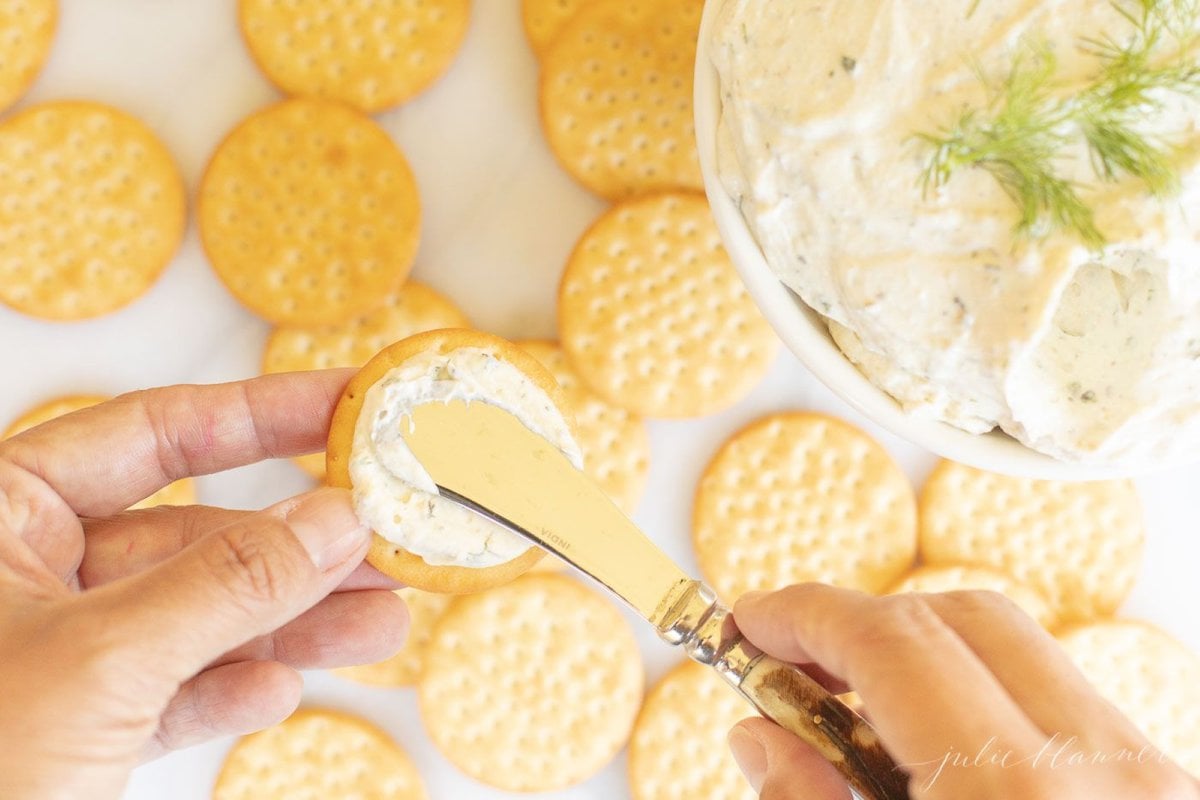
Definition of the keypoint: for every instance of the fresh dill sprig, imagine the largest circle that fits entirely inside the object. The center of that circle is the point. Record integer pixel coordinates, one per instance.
(1028, 124)
(1132, 80)
(1017, 139)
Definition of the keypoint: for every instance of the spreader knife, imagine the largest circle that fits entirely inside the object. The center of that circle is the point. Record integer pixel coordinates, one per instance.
(485, 459)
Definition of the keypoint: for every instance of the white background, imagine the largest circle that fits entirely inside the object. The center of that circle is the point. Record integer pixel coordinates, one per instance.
(500, 219)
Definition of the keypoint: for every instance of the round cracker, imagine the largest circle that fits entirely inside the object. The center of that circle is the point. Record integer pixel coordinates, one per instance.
(309, 213)
(615, 442)
(799, 497)
(52, 409)
(1079, 545)
(934, 579)
(545, 19)
(389, 558)
(316, 754)
(26, 36)
(404, 668)
(414, 309)
(180, 493)
(679, 750)
(373, 57)
(652, 313)
(616, 96)
(533, 686)
(1152, 678)
(92, 210)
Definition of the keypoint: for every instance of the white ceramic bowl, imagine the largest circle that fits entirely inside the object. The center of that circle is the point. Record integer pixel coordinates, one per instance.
(803, 331)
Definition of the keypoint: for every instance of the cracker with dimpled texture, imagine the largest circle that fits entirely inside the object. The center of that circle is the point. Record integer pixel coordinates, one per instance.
(389, 558)
(92, 210)
(678, 750)
(179, 493)
(404, 668)
(1078, 544)
(961, 577)
(545, 19)
(309, 213)
(370, 54)
(1149, 676)
(533, 686)
(616, 96)
(799, 497)
(653, 315)
(615, 442)
(414, 309)
(317, 754)
(26, 36)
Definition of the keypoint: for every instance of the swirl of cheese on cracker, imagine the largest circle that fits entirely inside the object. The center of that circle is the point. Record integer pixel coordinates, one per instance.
(392, 491)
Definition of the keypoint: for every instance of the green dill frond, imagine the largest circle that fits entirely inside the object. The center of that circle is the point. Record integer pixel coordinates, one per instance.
(1047, 202)
(1117, 149)
(1017, 141)
(1025, 126)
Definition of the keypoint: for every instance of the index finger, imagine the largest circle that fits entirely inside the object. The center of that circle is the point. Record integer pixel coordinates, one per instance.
(105, 458)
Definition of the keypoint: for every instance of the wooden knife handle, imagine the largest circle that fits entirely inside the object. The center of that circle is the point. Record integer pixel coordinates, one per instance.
(783, 693)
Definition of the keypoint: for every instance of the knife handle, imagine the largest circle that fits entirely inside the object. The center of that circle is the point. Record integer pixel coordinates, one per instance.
(783, 693)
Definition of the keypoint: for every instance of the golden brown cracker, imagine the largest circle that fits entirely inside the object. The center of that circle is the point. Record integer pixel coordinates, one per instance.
(653, 315)
(1149, 676)
(616, 96)
(533, 686)
(309, 213)
(799, 497)
(92, 210)
(963, 577)
(414, 309)
(51, 409)
(615, 442)
(371, 55)
(545, 19)
(404, 668)
(385, 556)
(180, 493)
(1079, 545)
(313, 465)
(26, 35)
(678, 750)
(316, 754)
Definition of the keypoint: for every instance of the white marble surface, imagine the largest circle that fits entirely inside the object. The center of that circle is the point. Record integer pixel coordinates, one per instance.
(500, 220)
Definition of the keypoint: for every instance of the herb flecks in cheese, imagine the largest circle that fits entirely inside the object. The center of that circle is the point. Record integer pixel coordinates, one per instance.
(397, 497)
(1032, 119)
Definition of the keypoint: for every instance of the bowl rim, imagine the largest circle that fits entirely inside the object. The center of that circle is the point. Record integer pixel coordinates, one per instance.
(805, 333)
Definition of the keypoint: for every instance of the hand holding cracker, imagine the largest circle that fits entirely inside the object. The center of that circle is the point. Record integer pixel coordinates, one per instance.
(130, 633)
(969, 694)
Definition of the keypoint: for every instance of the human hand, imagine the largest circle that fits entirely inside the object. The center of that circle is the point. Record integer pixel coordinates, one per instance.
(124, 634)
(968, 694)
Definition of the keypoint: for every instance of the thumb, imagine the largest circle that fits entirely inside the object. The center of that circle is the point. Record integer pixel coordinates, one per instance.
(236, 583)
(779, 766)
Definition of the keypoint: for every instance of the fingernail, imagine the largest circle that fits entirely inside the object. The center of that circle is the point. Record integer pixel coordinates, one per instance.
(750, 756)
(325, 523)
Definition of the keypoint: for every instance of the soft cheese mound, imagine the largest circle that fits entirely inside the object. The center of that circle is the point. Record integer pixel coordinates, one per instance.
(392, 491)
(1082, 355)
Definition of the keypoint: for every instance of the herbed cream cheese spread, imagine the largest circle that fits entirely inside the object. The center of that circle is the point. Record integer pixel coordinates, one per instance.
(397, 497)
(1085, 354)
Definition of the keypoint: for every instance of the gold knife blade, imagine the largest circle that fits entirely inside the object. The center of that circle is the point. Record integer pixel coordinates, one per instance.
(485, 459)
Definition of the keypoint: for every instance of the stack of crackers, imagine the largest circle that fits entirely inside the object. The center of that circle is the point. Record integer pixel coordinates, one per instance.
(310, 216)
